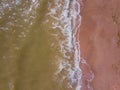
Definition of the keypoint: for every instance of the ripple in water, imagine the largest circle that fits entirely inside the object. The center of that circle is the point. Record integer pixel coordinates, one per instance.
(17, 15)
(17, 11)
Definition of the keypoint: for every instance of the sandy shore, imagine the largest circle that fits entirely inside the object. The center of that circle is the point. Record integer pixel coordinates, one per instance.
(100, 42)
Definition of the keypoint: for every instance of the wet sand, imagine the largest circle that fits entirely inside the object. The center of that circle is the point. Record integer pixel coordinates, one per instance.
(100, 42)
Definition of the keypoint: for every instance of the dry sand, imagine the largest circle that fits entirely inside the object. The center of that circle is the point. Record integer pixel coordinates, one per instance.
(100, 42)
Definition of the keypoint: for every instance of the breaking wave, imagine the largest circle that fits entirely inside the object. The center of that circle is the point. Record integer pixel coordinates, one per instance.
(67, 20)
(66, 14)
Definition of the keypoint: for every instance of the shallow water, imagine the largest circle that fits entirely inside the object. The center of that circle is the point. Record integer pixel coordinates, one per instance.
(38, 49)
(25, 52)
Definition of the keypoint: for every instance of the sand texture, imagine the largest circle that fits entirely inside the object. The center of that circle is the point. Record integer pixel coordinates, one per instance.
(100, 42)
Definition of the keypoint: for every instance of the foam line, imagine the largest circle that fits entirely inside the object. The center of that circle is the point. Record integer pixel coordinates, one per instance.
(68, 22)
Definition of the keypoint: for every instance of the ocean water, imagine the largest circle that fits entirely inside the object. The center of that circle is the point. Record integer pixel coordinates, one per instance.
(39, 45)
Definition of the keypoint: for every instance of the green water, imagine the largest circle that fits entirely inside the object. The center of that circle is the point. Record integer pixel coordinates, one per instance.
(26, 55)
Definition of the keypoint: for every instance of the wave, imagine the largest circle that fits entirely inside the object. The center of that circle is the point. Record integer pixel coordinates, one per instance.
(66, 14)
(68, 20)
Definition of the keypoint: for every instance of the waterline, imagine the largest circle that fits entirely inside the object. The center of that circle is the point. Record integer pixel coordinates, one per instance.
(68, 19)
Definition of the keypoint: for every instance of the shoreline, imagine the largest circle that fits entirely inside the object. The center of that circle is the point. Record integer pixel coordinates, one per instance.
(99, 43)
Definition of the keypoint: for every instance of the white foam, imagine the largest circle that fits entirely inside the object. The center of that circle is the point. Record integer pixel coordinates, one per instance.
(26, 13)
(68, 20)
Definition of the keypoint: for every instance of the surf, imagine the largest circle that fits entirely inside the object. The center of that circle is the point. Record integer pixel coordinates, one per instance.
(68, 20)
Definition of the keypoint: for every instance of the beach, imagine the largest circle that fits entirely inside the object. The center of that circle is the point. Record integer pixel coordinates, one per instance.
(40, 49)
(99, 42)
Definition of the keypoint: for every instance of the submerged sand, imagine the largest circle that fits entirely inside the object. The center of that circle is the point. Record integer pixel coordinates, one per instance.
(100, 42)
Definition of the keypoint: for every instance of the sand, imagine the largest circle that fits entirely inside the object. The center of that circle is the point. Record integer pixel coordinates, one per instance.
(100, 42)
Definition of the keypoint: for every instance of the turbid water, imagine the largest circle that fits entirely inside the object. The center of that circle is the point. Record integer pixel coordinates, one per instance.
(25, 52)
(38, 48)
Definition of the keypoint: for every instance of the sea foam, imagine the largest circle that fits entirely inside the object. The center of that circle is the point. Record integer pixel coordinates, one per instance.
(66, 14)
